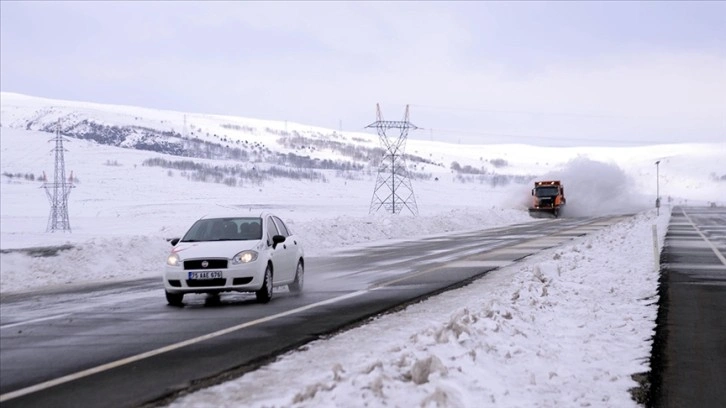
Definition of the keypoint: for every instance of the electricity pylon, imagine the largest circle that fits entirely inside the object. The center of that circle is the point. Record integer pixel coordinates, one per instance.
(59, 189)
(393, 190)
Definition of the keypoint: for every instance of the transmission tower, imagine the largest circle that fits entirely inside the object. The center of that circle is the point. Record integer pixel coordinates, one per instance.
(393, 191)
(59, 189)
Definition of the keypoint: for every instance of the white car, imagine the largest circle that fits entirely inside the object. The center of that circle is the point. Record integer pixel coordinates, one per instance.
(235, 253)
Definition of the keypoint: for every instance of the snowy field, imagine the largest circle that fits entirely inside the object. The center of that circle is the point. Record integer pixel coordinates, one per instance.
(567, 327)
(128, 211)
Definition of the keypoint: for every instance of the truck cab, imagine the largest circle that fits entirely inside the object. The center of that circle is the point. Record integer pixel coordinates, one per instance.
(548, 197)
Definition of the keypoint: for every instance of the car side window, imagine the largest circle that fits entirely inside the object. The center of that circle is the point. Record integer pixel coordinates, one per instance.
(271, 230)
(281, 227)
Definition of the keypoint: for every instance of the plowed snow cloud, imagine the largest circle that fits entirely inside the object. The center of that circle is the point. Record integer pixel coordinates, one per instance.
(595, 188)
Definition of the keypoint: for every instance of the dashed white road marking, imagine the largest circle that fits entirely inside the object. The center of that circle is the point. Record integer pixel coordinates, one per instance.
(40, 319)
(171, 347)
(175, 346)
(710, 244)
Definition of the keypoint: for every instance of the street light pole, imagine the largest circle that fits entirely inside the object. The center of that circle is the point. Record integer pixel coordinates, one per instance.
(657, 188)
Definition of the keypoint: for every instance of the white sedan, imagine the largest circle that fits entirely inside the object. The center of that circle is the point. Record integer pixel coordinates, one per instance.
(240, 254)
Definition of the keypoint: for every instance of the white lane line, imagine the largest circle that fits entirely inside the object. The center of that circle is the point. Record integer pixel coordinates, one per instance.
(713, 247)
(40, 319)
(171, 347)
(92, 303)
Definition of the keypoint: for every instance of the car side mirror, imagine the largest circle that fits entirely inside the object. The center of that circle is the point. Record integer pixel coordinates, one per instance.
(277, 239)
(174, 241)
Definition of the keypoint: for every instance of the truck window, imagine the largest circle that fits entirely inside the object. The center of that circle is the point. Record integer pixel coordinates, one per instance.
(546, 191)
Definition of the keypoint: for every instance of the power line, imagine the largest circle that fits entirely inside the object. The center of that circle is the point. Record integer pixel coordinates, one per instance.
(539, 137)
(573, 114)
(533, 113)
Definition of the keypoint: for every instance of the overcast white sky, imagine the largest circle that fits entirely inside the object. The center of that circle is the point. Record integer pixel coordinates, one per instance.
(553, 73)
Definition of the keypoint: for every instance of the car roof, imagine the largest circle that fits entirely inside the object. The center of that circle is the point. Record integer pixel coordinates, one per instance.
(238, 214)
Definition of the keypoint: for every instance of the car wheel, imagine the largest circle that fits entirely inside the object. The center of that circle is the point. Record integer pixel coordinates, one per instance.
(297, 285)
(174, 299)
(265, 293)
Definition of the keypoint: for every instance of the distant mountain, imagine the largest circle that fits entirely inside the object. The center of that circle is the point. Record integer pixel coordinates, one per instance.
(196, 135)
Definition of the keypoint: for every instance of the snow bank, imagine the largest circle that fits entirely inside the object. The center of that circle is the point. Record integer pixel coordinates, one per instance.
(126, 257)
(568, 327)
(324, 234)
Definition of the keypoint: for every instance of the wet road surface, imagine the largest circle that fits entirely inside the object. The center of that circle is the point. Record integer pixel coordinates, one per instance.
(121, 345)
(689, 351)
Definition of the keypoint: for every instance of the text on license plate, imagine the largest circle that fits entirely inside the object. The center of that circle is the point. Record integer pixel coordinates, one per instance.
(205, 275)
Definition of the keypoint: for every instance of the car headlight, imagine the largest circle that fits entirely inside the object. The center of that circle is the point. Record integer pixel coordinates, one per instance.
(173, 259)
(244, 257)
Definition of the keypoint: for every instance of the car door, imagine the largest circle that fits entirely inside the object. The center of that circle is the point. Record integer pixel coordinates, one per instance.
(279, 255)
(289, 248)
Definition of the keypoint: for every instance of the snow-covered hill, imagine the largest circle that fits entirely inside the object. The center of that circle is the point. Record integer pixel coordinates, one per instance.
(163, 191)
(251, 141)
(193, 135)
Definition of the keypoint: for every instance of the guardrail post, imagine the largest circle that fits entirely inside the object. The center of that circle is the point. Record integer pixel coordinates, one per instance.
(656, 252)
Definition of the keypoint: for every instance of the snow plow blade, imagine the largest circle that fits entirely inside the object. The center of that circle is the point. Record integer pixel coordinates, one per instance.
(544, 212)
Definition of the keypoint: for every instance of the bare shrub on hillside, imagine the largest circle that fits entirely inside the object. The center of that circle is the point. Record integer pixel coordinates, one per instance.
(499, 163)
(230, 126)
(25, 176)
(467, 169)
(492, 179)
(233, 175)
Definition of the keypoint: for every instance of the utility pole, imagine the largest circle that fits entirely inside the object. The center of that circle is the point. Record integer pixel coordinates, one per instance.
(393, 190)
(59, 189)
(657, 187)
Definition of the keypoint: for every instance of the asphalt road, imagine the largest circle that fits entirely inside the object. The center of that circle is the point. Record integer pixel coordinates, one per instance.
(688, 367)
(122, 346)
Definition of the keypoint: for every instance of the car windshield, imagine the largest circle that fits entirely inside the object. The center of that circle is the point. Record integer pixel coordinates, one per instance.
(546, 191)
(225, 229)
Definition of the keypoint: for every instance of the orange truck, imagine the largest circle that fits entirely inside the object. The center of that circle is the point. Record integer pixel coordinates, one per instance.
(548, 198)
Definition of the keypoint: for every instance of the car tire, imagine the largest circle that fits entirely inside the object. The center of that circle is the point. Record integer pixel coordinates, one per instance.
(265, 293)
(297, 285)
(175, 299)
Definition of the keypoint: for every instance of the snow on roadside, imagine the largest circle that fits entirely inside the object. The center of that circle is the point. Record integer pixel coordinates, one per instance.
(567, 327)
(117, 258)
(325, 234)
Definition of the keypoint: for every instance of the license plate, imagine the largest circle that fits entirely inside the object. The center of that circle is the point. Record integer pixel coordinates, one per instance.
(205, 275)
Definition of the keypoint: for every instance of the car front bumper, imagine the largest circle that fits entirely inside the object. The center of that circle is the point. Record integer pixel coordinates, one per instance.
(237, 278)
